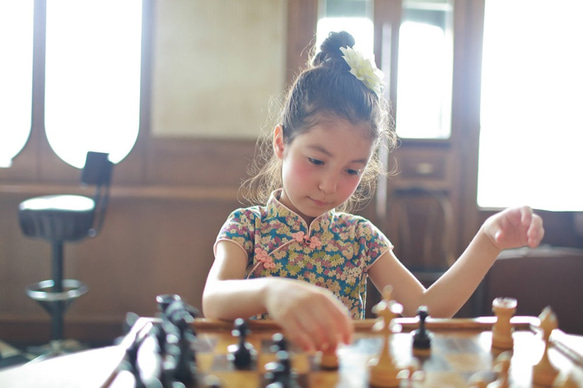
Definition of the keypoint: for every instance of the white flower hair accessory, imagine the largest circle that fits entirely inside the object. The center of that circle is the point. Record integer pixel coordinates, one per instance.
(363, 69)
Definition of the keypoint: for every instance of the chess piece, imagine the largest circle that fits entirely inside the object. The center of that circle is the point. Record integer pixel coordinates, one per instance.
(242, 354)
(279, 374)
(477, 380)
(421, 336)
(130, 361)
(164, 300)
(383, 369)
(502, 369)
(544, 373)
(279, 343)
(414, 372)
(177, 320)
(504, 309)
(212, 381)
(566, 382)
(329, 359)
(482, 378)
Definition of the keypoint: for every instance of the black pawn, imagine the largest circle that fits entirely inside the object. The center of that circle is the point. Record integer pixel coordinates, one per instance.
(421, 336)
(279, 373)
(279, 343)
(244, 353)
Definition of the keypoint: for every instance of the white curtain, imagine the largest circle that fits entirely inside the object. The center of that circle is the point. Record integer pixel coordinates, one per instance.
(531, 142)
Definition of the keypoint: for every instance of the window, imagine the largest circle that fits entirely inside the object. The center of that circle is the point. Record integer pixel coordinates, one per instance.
(425, 70)
(352, 16)
(531, 138)
(425, 59)
(93, 59)
(16, 46)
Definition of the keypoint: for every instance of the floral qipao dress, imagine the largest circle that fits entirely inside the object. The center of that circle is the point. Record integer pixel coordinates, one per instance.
(333, 252)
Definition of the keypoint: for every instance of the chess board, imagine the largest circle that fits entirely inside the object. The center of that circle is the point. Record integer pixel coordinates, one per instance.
(461, 348)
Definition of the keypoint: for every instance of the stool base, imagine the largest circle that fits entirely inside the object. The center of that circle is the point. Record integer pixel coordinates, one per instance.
(56, 303)
(54, 349)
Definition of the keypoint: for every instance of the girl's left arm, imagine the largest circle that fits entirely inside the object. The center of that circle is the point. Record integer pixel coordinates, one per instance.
(511, 228)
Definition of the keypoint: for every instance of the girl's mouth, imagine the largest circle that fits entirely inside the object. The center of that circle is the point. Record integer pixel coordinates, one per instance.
(319, 203)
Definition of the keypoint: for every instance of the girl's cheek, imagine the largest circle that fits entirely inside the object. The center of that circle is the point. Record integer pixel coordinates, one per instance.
(301, 169)
(350, 186)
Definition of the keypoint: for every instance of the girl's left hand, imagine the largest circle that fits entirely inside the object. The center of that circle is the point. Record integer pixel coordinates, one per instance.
(514, 228)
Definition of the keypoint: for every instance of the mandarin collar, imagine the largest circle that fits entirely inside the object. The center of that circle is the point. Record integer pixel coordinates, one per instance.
(276, 209)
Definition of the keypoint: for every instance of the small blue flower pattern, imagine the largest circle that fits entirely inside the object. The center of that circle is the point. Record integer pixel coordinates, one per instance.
(333, 252)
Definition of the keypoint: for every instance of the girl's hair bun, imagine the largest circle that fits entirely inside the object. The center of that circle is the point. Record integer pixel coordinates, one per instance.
(330, 49)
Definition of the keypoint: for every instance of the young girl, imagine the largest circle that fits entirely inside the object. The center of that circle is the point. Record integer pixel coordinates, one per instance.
(300, 259)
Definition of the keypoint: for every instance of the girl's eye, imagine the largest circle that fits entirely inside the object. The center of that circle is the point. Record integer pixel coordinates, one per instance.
(315, 161)
(354, 172)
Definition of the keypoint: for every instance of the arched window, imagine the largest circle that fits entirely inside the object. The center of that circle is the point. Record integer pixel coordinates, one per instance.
(16, 47)
(92, 95)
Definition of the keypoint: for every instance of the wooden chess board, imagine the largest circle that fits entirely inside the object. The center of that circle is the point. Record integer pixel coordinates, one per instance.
(460, 349)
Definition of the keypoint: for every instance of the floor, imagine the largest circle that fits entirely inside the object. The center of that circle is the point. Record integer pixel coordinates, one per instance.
(11, 356)
(14, 355)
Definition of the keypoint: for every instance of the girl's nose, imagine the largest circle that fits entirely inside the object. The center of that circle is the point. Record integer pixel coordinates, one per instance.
(328, 184)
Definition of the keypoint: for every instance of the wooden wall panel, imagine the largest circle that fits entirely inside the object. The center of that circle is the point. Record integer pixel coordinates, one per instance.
(187, 162)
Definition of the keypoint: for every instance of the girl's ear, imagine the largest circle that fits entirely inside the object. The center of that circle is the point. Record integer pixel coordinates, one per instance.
(278, 144)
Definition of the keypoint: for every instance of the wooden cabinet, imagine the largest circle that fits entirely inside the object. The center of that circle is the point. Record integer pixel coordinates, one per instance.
(419, 215)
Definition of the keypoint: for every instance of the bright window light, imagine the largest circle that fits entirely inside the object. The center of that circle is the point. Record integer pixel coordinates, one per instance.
(16, 46)
(93, 58)
(424, 84)
(531, 133)
(361, 29)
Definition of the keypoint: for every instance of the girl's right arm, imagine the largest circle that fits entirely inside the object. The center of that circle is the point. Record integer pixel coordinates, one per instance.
(311, 317)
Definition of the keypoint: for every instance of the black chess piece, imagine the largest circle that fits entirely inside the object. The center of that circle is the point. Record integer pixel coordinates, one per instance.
(179, 338)
(131, 361)
(279, 343)
(243, 354)
(164, 300)
(279, 374)
(421, 336)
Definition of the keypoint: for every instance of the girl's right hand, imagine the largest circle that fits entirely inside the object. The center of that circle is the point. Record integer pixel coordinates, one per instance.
(311, 317)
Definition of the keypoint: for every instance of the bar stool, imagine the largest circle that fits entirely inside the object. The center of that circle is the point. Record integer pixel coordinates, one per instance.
(59, 219)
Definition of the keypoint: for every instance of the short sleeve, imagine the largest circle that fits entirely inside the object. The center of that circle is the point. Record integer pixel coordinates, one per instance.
(240, 229)
(375, 241)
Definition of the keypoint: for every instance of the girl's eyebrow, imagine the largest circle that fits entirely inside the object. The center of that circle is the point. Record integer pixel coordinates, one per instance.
(323, 150)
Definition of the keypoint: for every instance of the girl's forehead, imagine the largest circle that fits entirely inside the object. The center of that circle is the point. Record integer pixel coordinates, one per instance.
(340, 136)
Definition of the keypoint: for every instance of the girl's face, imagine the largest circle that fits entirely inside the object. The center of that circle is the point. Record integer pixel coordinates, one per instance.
(322, 167)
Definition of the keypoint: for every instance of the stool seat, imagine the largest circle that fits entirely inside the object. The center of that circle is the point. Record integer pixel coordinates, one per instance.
(57, 217)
